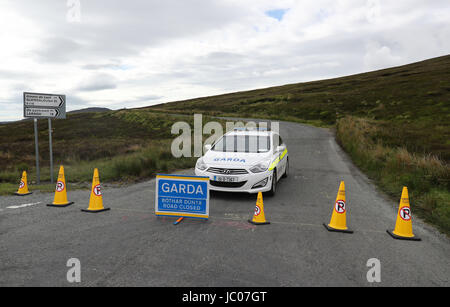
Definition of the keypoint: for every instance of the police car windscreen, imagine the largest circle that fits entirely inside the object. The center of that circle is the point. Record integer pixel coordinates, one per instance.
(243, 143)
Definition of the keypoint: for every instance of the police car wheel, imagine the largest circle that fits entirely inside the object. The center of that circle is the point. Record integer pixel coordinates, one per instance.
(286, 170)
(274, 183)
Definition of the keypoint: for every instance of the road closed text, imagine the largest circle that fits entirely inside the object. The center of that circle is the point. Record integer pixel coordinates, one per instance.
(181, 204)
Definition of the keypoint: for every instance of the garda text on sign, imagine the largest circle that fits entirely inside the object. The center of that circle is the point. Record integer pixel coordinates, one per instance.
(182, 195)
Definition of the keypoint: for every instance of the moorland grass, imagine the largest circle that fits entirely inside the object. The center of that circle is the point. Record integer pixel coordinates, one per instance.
(426, 176)
(125, 168)
(394, 123)
(125, 145)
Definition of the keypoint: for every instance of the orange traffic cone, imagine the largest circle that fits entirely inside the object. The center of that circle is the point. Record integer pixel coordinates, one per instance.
(338, 221)
(403, 225)
(23, 186)
(96, 200)
(258, 217)
(60, 199)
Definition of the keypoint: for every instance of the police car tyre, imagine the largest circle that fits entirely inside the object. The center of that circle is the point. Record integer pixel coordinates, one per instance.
(273, 190)
(286, 170)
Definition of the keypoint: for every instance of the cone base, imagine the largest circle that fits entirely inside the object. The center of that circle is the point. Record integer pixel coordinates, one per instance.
(337, 230)
(61, 205)
(403, 238)
(95, 211)
(258, 223)
(25, 194)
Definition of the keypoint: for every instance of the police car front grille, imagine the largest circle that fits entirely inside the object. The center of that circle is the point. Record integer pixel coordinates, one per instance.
(227, 184)
(227, 171)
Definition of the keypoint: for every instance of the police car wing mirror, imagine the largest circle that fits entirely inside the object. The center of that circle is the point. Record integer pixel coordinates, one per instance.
(208, 147)
(280, 148)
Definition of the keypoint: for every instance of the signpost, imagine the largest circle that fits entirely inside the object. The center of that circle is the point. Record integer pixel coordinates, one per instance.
(37, 105)
(36, 144)
(182, 196)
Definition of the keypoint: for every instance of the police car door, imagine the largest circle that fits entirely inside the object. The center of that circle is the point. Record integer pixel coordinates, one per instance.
(283, 157)
(279, 148)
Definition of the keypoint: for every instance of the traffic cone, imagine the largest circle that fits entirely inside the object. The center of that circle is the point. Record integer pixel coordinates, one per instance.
(258, 217)
(60, 199)
(338, 221)
(96, 200)
(23, 186)
(403, 225)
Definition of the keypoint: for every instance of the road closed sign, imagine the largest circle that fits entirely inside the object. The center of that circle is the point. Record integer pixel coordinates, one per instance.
(182, 196)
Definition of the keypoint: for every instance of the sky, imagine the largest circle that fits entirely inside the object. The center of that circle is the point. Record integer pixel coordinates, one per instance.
(123, 54)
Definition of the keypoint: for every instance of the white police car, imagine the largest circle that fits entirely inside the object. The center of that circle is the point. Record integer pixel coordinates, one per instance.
(245, 160)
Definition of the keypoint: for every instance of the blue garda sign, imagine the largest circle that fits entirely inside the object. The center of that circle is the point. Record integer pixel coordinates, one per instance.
(182, 195)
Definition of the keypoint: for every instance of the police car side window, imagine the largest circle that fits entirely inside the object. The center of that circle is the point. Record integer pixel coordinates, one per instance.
(275, 139)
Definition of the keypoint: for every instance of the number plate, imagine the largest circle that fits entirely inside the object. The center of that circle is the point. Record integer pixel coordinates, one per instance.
(225, 179)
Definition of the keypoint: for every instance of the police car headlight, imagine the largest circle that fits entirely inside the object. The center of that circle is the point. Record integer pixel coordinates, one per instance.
(260, 184)
(260, 167)
(200, 165)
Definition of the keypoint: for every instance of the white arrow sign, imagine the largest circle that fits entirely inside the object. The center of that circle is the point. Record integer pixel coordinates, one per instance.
(34, 112)
(42, 100)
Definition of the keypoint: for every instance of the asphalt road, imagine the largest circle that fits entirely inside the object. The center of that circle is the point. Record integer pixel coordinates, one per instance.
(130, 246)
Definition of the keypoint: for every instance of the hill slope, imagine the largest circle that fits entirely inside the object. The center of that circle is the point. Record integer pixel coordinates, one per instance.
(414, 100)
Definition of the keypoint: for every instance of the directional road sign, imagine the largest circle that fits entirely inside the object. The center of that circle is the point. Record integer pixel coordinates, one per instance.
(36, 105)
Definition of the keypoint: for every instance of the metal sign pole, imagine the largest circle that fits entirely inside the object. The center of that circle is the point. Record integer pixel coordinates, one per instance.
(51, 148)
(36, 141)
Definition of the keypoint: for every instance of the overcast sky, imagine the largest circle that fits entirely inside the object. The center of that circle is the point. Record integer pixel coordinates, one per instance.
(135, 53)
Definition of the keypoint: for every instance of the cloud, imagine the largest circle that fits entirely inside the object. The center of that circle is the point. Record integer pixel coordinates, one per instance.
(113, 28)
(136, 53)
(148, 97)
(378, 57)
(58, 49)
(16, 74)
(106, 66)
(97, 82)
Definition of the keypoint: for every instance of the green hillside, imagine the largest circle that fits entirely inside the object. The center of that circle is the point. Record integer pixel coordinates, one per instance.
(125, 145)
(412, 100)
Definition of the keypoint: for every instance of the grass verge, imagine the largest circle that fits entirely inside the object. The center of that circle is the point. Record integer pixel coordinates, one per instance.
(392, 167)
(126, 168)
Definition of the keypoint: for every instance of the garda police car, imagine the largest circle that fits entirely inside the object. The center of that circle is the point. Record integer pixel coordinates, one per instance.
(245, 160)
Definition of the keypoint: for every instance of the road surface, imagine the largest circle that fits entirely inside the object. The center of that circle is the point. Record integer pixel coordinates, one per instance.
(130, 246)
